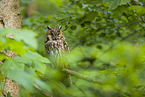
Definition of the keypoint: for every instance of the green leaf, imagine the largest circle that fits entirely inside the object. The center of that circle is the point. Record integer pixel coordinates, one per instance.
(107, 0)
(105, 71)
(3, 32)
(119, 11)
(10, 65)
(140, 10)
(31, 71)
(15, 70)
(114, 4)
(16, 46)
(90, 16)
(43, 85)
(22, 60)
(2, 39)
(20, 66)
(23, 78)
(39, 67)
(58, 2)
(124, 2)
(6, 66)
(28, 36)
(36, 57)
(2, 57)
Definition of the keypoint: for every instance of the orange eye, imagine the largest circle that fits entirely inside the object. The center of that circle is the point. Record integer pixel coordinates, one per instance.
(50, 32)
(59, 34)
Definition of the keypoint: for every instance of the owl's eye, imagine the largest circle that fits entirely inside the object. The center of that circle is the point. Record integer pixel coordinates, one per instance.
(59, 33)
(52, 33)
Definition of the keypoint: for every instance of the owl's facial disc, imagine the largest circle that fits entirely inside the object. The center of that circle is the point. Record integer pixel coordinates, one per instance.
(55, 33)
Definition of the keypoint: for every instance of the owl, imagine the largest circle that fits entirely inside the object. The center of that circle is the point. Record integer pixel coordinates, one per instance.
(56, 46)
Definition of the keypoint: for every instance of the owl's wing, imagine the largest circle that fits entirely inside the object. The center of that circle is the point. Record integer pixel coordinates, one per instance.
(46, 37)
(48, 44)
(66, 48)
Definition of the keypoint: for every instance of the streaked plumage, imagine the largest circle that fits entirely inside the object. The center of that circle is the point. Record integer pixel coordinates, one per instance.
(55, 45)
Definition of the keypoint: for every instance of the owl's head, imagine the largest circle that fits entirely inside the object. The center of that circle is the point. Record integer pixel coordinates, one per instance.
(55, 33)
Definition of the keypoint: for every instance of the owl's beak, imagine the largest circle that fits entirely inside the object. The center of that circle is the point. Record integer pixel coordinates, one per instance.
(55, 38)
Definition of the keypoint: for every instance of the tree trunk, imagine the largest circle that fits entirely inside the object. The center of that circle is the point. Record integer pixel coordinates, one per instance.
(10, 13)
(10, 18)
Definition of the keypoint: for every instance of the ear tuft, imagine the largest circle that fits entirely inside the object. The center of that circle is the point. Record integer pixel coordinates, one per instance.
(60, 27)
(48, 27)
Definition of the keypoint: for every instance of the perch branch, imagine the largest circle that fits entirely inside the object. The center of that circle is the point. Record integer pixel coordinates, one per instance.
(82, 76)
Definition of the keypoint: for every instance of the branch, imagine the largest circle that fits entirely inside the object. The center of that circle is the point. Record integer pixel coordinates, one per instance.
(42, 91)
(82, 76)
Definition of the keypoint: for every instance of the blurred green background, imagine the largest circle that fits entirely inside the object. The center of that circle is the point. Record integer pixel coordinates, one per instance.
(106, 40)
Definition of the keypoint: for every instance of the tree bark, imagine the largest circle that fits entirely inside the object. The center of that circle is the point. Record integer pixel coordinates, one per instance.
(10, 13)
(10, 18)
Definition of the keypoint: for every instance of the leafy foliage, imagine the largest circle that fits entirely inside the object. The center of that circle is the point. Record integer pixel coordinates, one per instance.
(106, 39)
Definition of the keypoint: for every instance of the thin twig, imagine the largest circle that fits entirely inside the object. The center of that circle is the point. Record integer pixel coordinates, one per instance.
(82, 76)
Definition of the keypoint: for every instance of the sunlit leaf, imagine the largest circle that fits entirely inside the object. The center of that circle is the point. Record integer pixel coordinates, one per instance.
(22, 60)
(2, 57)
(59, 2)
(36, 57)
(28, 36)
(16, 46)
(105, 71)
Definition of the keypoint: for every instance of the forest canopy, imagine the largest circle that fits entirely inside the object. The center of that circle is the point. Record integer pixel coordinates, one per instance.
(106, 41)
